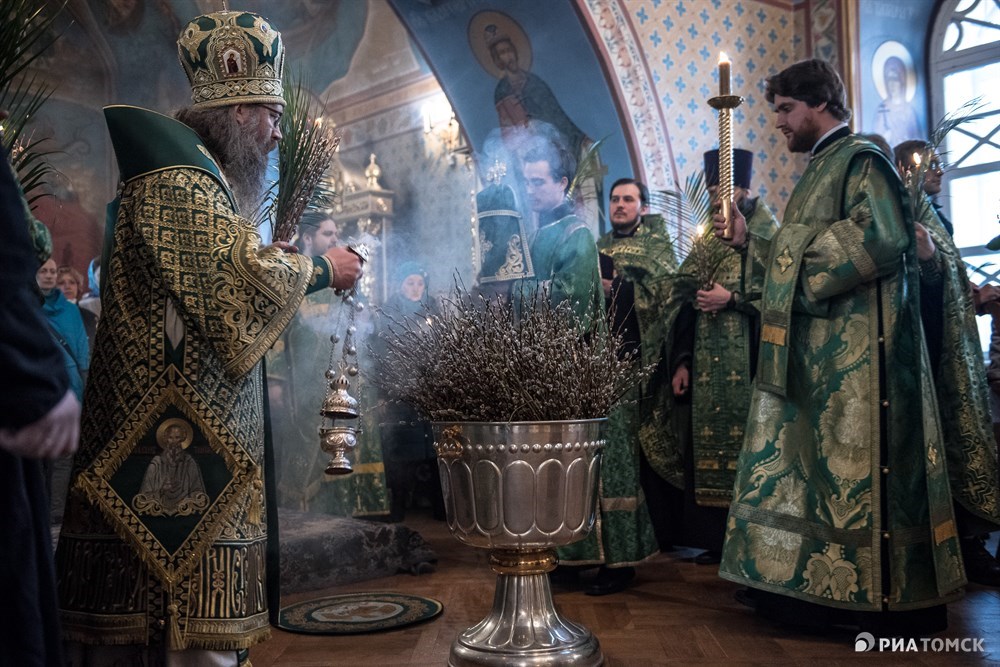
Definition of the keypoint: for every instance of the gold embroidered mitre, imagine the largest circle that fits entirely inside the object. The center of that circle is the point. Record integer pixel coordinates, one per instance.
(232, 58)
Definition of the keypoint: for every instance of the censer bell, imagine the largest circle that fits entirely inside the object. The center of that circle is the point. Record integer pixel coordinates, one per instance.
(339, 404)
(337, 441)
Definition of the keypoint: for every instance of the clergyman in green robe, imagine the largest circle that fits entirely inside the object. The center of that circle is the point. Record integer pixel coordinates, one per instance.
(842, 510)
(949, 318)
(191, 303)
(562, 250)
(713, 359)
(637, 287)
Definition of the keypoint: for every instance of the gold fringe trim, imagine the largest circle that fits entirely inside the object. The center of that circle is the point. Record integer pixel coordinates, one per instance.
(175, 639)
(945, 531)
(229, 643)
(773, 334)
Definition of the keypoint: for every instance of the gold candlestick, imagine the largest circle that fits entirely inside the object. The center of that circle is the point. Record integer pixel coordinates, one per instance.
(725, 104)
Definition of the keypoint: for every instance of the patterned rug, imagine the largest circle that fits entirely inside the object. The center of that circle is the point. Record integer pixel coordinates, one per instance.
(319, 551)
(357, 613)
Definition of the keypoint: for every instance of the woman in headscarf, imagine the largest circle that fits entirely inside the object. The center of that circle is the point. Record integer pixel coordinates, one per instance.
(410, 464)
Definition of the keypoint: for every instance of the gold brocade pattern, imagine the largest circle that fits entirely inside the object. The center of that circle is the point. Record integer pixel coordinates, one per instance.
(171, 389)
(232, 57)
(188, 581)
(243, 297)
(514, 266)
(812, 506)
(962, 390)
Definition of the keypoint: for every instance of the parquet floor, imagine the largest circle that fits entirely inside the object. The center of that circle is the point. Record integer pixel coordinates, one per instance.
(676, 613)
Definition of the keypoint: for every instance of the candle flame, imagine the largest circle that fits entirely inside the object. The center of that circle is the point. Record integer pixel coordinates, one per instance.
(917, 159)
(723, 58)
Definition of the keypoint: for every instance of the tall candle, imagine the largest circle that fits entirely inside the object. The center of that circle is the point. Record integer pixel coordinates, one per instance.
(724, 84)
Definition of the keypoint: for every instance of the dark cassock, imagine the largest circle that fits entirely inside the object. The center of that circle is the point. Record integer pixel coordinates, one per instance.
(35, 380)
(719, 351)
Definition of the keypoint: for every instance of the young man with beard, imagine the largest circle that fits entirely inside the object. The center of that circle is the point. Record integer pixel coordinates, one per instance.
(644, 262)
(191, 302)
(317, 233)
(842, 511)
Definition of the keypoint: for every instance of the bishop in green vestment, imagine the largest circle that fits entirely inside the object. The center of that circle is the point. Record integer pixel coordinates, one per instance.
(191, 302)
(841, 497)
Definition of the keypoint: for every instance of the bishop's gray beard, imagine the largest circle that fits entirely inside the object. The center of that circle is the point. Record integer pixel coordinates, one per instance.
(241, 156)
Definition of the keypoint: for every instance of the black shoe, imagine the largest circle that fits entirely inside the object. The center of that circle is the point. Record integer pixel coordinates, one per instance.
(611, 580)
(980, 566)
(746, 597)
(707, 558)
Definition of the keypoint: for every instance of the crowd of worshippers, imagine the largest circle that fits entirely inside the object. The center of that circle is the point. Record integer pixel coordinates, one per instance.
(817, 427)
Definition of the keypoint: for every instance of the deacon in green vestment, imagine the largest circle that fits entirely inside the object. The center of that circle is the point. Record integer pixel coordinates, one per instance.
(562, 251)
(713, 357)
(841, 497)
(191, 302)
(637, 287)
(949, 319)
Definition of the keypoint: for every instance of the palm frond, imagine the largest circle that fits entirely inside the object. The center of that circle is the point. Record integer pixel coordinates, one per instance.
(588, 168)
(690, 208)
(953, 119)
(695, 239)
(305, 153)
(24, 36)
(25, 33)
(915, 173)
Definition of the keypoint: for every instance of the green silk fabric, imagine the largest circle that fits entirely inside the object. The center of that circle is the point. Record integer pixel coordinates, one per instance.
(809, 518)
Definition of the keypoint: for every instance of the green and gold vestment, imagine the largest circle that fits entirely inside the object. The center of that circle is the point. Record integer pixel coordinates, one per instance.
(721, 372)
(841, 496)
(960, 380)
(191, 302)
(623, 533)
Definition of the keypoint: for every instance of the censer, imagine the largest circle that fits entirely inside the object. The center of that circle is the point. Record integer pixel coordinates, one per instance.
(338, 431)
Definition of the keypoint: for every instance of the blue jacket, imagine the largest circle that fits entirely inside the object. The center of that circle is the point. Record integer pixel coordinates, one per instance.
(66, 321)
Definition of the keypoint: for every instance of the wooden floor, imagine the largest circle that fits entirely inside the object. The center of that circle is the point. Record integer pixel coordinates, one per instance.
(676, 613)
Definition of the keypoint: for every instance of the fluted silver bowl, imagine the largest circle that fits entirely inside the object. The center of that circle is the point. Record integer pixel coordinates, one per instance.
(519, 485)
